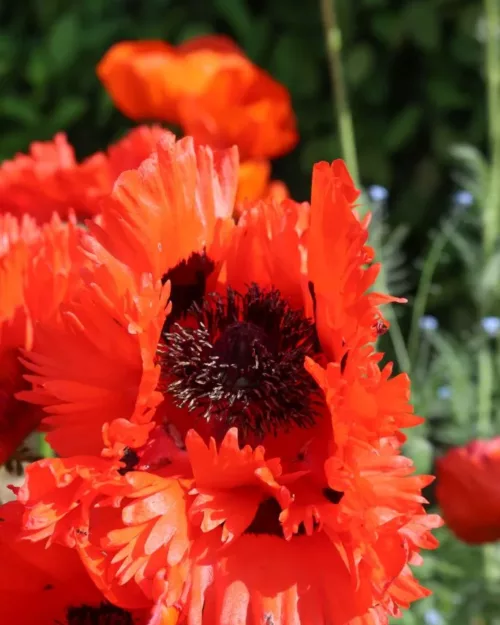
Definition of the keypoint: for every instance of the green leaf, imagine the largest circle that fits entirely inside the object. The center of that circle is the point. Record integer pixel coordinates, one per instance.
(422, 23)
(37, 68)
(359, 63)
(67, 111)
(292, 65)
(402, 127)
(236, 13)
(21, 110)
(63, 43)
(388, 27)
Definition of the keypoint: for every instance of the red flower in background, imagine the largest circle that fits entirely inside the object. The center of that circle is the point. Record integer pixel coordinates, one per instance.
(50, 179)
(39, 269)
(468, 490)
(208, 87)
(251, 470)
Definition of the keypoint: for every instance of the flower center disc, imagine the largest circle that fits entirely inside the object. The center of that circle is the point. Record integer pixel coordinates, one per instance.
(238, 361)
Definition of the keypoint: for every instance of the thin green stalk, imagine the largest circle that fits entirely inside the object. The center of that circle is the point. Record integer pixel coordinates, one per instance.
(333, 38)
(424, 287)
(398, 341)
(491, 217)
(485, 392)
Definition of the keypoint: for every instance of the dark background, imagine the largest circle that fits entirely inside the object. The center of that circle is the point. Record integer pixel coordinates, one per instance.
(413, 67)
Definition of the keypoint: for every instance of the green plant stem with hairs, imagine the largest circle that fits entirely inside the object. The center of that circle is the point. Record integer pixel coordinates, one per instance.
(491, 216)
(333, 38)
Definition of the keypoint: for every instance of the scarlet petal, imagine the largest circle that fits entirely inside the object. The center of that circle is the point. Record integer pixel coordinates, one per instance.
(468, 489)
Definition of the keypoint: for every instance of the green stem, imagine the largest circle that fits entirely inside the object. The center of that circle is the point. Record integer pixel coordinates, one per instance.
(333, 37)
(398, 341)
(424, 288)
(485, 392)
(492, 49)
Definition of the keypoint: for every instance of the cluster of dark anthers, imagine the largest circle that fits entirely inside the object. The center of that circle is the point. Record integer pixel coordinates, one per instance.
(187, 284)
(238, 360)
(105, 614)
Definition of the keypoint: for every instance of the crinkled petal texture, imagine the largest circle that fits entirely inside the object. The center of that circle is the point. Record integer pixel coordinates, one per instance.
(303, 523)
(468, 490)
(113, 325)
(207, 86)
(96, 175)
(39, 269)
(39, 183)
(263, 579)
(178, 203)
(337, 256)
(46, 584)
(50, 179)
(174, 205)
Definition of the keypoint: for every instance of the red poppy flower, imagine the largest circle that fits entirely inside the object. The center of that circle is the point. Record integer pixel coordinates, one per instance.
(39, 268)
(47, 584)
(268, 485)
(468, 490)
(50, 179)
(207, 86)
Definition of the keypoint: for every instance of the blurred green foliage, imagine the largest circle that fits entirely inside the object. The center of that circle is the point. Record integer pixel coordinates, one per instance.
(413, 71)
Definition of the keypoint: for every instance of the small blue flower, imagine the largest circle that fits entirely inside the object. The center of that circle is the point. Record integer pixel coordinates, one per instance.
(428, 323)
(378, 193)
(491, 325)
(463, 198)
(433, 617)
(444, 392)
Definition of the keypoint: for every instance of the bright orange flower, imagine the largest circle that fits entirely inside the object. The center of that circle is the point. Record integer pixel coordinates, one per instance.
(159, 221)
(50, 179)
(268, 485)
(206, 85)
(47, 584)
(39, 268)
(468, 490)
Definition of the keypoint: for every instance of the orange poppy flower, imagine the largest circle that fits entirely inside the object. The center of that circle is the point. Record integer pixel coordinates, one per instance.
(207, 86)
(47, 584)
(39, 268)
(268, 485)
(50, 178)
(468, 491)
(115, 320)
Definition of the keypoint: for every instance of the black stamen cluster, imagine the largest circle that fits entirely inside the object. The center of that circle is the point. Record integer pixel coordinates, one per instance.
(239, 361)
(105, 614)
(187, 282)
